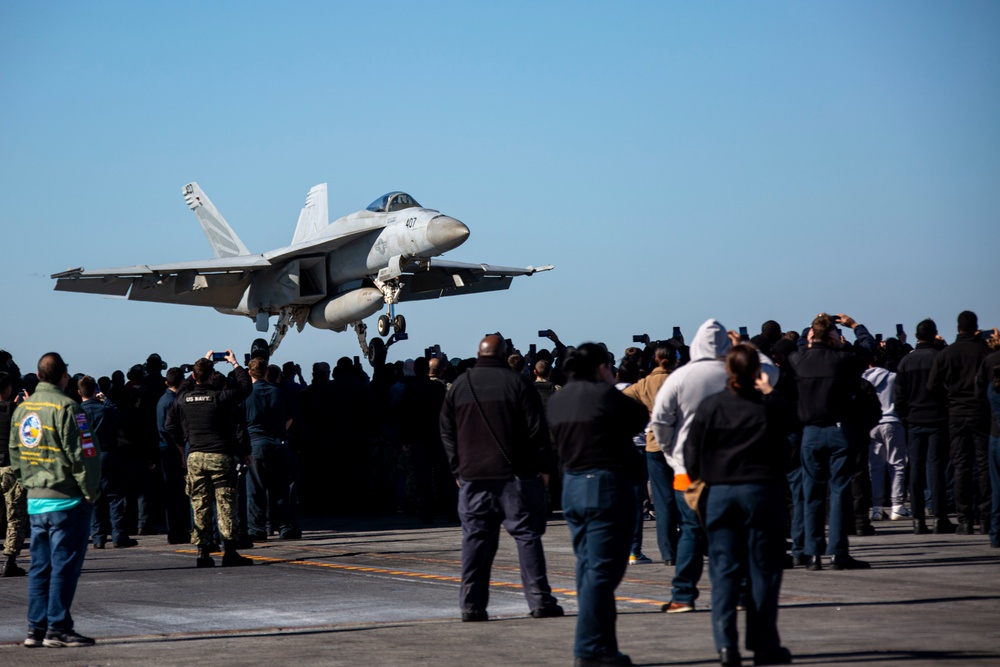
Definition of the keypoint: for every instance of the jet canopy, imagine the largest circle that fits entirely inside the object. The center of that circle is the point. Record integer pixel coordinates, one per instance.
(394, 201)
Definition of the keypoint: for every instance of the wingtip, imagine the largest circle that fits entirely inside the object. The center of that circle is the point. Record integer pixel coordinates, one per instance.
(68, 273)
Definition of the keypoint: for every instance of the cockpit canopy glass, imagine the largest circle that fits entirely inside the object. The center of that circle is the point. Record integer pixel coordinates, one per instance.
(394, 201)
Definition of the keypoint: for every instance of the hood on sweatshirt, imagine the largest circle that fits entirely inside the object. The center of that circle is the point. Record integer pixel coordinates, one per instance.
(710, 342)
(878, 377)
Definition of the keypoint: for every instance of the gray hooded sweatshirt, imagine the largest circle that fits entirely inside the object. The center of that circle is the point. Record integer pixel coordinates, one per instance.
(684, 390)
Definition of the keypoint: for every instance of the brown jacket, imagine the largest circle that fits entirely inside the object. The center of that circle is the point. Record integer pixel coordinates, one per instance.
(644, 391)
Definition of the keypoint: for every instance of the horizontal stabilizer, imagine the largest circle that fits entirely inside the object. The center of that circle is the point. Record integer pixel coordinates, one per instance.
(220, 235)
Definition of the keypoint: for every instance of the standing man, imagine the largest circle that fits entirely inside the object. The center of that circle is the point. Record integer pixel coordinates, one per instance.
(828, 374)
(926, 419)
(268, 412)
(12, 495)
(661, 475)
(109, 511)
(54, 456)
(954, 375)
(497, 443)
(673, 412)
(172, 457)
(203, 416)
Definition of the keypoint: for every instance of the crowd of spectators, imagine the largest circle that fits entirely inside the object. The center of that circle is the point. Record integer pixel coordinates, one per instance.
(851, 432)
(367, 443)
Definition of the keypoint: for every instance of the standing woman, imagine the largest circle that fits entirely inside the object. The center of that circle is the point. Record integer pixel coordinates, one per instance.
(738, 445)
(593, 424)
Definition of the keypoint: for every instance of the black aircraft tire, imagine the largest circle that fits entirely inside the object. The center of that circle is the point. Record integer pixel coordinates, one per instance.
(376, 348)
(399, 324)
(383, 325)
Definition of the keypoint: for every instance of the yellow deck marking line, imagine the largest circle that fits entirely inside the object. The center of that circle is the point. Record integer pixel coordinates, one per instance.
(418, 575)
(452, 561)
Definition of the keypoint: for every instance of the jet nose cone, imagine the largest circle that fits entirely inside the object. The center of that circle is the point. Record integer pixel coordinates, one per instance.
(446, 233)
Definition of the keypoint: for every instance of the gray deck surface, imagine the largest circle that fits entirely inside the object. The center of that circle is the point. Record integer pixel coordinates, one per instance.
(384, 592)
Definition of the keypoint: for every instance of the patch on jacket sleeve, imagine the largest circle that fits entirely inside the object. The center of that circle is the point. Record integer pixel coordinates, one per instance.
(86, 439)
(30, 430)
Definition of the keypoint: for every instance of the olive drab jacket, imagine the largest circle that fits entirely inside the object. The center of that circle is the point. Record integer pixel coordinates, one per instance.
(52, 450)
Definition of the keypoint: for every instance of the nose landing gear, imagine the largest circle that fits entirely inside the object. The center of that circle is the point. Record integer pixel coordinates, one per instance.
(385, 322)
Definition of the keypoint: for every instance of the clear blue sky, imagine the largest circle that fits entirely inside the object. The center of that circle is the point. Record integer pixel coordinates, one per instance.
(675, 161)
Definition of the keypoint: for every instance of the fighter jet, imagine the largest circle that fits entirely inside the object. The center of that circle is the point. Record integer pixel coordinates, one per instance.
(332, 276)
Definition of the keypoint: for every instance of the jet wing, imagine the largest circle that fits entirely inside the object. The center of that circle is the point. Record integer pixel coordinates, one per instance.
(440, 277)
(218, 283)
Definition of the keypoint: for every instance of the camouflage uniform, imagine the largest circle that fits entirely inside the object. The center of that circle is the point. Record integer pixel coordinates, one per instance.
(15, 500)
(211, 482)
(207, 418)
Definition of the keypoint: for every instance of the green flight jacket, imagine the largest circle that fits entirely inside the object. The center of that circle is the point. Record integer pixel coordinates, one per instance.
(52, 450)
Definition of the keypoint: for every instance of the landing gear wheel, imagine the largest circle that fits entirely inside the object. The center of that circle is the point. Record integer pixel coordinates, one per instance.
(399, 324)
(383, 325)
(376, 348)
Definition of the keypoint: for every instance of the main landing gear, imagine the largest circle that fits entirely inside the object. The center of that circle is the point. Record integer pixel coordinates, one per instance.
(376, 349)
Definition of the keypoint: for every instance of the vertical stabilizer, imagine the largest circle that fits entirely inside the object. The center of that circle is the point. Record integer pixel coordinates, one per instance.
(314, 216)
(220, 235)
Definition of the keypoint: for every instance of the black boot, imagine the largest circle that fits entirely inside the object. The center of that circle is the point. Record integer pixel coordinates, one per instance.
(920, 527)
(205, 557)
(230, 558)
(11, 569)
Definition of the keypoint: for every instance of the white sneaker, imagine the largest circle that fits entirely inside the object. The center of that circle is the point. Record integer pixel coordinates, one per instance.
(878, 514)
(899, 513)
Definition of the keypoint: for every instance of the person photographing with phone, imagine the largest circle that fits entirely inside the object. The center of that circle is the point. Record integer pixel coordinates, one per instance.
(738, 445)
(203, 415)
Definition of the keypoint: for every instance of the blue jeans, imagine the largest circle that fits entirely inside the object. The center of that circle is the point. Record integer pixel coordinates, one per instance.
(927, 450)
(995, 481)
(691, 548)
(58, 547)
(268, 486)
(599, 507)
(518, 505)
(640, 499)
(175, 501)
(826, 459)
(798, 512)
(109, 510)
(746, 537)
(661, 480)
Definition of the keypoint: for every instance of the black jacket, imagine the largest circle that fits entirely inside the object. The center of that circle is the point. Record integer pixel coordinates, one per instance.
(828, 379)
(593, 424)
(104, 420)
(954, 373)
(739, 439)
(916, 404)
(206, 418)
(513, 412)
(983, 381)
(266, 411)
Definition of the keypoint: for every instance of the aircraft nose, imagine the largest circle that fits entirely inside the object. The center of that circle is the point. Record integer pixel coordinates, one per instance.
(445, 233)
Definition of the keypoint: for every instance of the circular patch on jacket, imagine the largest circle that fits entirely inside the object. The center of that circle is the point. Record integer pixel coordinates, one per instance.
(31, 430)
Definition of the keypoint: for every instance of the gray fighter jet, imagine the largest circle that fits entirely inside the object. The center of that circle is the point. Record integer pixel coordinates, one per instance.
(332, 276)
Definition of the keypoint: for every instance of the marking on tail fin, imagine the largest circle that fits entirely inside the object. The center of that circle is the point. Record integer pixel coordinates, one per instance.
(222, 238)
(314, 216)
